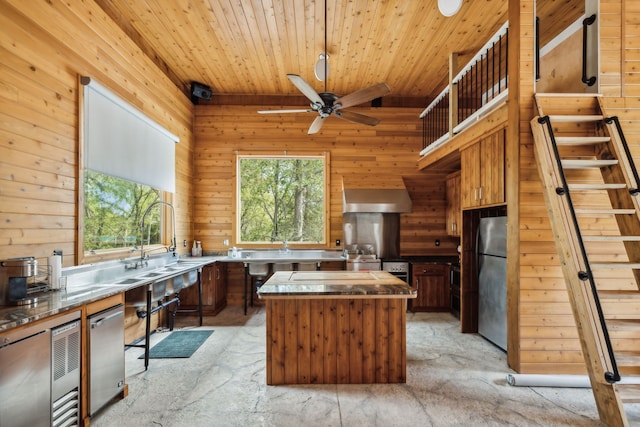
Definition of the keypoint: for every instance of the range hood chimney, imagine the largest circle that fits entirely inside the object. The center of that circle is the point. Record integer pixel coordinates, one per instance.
(376, 200)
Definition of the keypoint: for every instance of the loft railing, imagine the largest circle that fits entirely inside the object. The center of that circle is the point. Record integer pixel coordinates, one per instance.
(479, 86)
(435, 123)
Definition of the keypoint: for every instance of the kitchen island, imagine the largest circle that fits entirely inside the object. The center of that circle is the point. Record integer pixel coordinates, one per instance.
(335, 327)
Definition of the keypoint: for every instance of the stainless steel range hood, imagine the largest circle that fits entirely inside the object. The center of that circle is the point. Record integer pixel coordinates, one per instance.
(386, 200)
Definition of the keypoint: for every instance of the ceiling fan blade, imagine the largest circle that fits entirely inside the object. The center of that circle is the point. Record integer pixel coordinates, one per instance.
(357, 117)
(306, 89)
(363, 95)
(284, 111)
(316, 125)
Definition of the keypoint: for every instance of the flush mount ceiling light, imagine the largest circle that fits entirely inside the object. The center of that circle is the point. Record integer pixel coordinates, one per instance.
(449, 7)
(322, 67)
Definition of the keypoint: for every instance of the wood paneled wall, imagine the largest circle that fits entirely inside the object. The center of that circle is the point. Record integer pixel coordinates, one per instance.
(45, 46)
(373, 155)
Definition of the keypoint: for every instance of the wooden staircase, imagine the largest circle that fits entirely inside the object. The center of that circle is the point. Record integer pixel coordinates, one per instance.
(591, 191)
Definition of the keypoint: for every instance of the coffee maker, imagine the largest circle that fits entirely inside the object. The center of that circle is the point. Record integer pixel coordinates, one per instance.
(14, 275)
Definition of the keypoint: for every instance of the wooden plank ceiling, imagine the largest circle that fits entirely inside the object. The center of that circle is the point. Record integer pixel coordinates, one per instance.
(244, 49)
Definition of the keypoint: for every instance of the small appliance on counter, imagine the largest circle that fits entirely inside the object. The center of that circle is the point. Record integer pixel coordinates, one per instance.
(15, 274)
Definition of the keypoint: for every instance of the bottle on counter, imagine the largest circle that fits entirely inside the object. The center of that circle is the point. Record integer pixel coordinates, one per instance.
(198, 248)
(194, 249)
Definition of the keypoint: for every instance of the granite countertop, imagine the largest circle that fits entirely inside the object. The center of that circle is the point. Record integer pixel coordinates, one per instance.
(335, 284)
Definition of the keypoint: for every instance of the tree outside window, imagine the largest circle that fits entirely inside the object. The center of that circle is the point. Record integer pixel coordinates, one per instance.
(113, 210)
(281, 199)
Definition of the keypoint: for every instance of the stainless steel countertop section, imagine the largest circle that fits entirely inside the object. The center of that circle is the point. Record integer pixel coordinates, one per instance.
(90, 283)
(79, 293)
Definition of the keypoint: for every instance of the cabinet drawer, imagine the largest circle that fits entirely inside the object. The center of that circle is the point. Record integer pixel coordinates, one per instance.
(429, 269)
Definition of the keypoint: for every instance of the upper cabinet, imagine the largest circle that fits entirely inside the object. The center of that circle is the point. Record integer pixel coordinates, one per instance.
(454, 212)
(482, 176)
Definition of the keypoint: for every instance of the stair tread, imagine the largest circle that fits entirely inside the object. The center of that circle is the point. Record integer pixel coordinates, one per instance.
(629, 393)
(582, 164)
(586, 187)
(623, 324)
(576, 118)
(619, 295)
(634, 265)
(581, 140)
(601, 238)
(606, 211)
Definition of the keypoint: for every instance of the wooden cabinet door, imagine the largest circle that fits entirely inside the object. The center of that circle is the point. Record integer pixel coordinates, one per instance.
(492, 172)
(208, 291)
(433, 288)
(470, 176)
(219, 286)
(214, 290)
(482, 172)
(453, 213)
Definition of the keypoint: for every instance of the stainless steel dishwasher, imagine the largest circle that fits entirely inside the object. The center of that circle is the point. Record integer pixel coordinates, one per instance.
(106, 356)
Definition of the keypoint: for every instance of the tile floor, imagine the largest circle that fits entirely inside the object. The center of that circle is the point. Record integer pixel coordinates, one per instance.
(453, 379)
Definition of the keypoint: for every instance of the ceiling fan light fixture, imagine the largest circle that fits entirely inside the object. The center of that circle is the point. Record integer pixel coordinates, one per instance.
(449, 7)
(321, 69)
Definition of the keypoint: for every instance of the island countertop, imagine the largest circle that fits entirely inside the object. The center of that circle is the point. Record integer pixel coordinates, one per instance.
(335, 284)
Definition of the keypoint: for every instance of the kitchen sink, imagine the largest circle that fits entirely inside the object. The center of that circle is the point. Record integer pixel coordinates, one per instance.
(128, 281)
(137, 297)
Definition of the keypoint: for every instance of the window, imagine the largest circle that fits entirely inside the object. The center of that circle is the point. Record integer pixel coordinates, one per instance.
(113, 211)
(129, 164)
(281, 198)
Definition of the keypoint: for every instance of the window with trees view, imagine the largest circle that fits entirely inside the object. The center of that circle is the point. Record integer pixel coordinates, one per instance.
(281, 199)
(113, 209)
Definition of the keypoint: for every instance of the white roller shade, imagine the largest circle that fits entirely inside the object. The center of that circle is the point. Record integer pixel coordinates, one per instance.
(121, 141)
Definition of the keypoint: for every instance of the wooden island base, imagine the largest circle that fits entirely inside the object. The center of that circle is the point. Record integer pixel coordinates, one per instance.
(336, 341)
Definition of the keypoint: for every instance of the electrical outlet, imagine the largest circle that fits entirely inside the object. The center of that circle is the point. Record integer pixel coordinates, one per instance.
(225, 242)
(337, 242)
(437, 242)
(184, 243)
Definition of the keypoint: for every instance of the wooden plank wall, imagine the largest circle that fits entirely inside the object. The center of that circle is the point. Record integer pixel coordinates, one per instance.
(374, 155)
(44, 47)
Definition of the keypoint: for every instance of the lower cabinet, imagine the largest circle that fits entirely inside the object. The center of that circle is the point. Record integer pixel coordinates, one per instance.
(214, 290)
(432, 284)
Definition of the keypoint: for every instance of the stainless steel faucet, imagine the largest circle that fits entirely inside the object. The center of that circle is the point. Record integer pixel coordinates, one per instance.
(171, 248)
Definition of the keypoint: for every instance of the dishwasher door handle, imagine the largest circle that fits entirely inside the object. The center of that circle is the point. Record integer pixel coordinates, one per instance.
(99, 322)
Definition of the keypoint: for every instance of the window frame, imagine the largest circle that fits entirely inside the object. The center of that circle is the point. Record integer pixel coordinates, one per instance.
(284, 155)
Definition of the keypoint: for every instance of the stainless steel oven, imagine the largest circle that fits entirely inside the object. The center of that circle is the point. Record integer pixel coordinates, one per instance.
(398, 268)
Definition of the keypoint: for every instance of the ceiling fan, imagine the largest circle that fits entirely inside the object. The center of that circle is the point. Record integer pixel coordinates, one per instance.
(327, 103)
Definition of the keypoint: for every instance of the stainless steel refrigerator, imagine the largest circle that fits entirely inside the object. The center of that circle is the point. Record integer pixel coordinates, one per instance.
(491, 250)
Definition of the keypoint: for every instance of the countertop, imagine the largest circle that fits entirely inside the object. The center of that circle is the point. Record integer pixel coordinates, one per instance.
(53, 302)
(335, 284)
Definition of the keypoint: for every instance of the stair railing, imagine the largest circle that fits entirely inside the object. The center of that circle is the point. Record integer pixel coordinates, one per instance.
(589, 81)
(587, 275)
(634, 190)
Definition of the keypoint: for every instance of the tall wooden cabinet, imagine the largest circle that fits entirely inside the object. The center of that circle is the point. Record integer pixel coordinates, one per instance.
(432, 284)
(482, 175)
(214, 290)
(453, 212)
